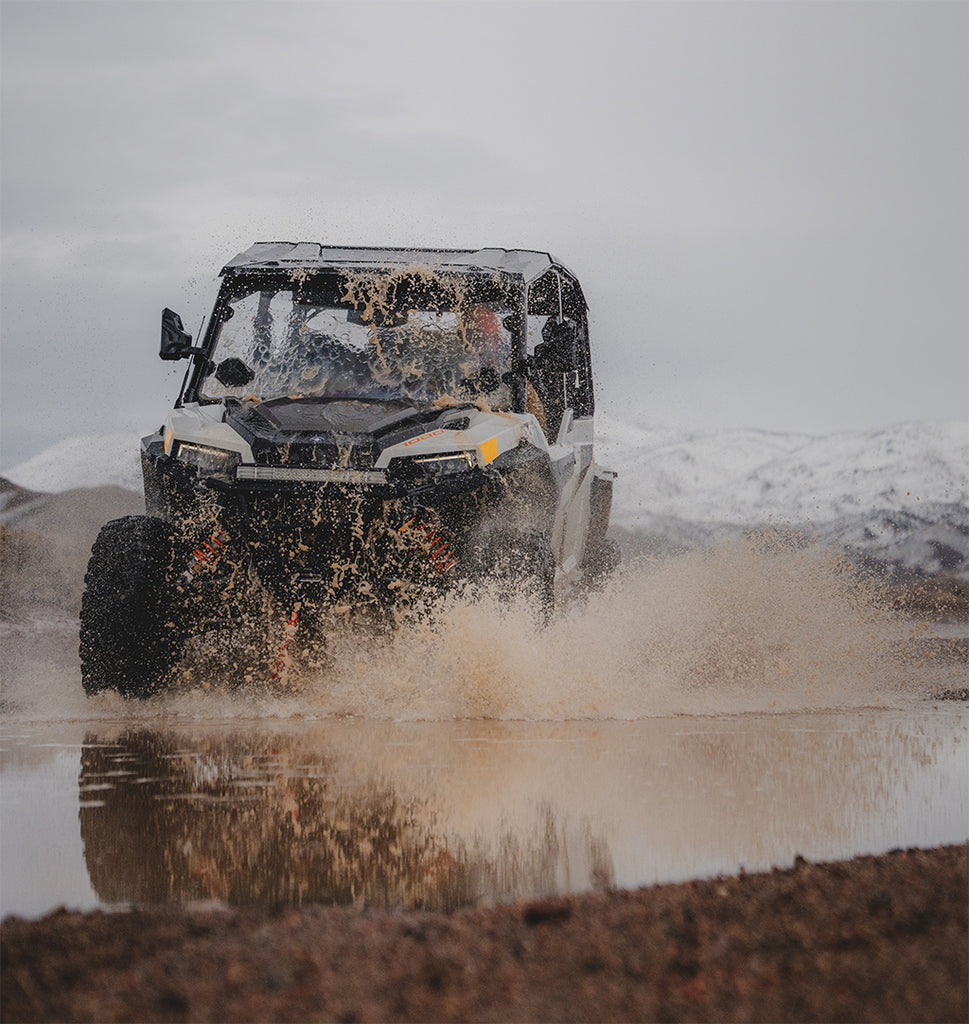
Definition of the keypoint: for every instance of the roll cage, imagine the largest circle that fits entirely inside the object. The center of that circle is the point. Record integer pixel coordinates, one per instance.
(547, 323)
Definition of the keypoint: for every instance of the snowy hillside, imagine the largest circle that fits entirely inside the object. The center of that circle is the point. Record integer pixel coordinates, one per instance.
(901, 493)
(89, 460)
(753, 476)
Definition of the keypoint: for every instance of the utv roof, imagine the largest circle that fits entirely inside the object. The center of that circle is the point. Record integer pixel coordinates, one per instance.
(314, 256)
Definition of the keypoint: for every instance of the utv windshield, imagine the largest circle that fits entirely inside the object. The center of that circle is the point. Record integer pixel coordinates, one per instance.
(413, 335)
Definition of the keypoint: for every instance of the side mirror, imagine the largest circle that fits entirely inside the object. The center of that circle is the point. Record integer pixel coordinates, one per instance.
(176, 342)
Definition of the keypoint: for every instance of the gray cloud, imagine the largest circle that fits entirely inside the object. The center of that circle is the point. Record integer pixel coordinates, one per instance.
(766, 202)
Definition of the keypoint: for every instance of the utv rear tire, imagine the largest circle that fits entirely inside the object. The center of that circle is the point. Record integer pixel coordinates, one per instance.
(601, 564)
(129, 640)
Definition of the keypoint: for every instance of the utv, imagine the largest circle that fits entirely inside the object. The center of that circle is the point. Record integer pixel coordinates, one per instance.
(357, 429)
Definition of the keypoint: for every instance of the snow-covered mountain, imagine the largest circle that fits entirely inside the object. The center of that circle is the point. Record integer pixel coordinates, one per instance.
(899, 493)
(86, 460)
(753, 476)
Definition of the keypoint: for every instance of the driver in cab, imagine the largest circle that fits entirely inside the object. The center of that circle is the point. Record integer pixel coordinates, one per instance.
(483, 335)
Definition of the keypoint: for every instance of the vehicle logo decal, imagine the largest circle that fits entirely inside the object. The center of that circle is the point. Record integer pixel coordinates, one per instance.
(423, 437)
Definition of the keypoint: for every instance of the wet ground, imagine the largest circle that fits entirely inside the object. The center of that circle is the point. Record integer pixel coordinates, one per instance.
(715, 713)
(872, 939)
(448, 814)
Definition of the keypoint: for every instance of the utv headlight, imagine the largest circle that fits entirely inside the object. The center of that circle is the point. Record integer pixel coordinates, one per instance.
(206, 460)
(452, 462)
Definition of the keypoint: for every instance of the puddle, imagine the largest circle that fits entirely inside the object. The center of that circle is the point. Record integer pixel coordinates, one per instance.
(714, 712)
(448, 814)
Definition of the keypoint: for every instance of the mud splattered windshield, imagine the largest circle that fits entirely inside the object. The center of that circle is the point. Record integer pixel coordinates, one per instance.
(414, 337)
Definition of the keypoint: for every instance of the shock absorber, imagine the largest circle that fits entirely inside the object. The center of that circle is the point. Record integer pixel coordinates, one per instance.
(208, 553)
(436, 547)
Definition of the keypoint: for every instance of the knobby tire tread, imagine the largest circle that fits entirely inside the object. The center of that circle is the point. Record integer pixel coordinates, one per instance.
(128, 640)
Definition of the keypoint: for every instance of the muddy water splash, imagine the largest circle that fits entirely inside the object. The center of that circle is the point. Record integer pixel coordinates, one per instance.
(743, 628)
(421, 326)
(476, 755)
(740, 629)
(736, 630)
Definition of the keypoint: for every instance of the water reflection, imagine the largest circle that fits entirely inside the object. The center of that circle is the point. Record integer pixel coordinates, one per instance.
(253, 819)
(441, 815)
(278, 818)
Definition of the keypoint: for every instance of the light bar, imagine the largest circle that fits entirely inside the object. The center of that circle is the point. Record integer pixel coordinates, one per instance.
(448, 458)
(312, 476)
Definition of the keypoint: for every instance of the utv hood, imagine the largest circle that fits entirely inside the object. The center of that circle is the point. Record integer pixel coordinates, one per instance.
(329, 432)
(312, 416)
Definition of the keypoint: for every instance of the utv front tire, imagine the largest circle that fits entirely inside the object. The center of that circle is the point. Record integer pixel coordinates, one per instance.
(130, 637)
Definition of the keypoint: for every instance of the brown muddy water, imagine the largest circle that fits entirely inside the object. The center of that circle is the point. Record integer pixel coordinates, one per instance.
(717, 712)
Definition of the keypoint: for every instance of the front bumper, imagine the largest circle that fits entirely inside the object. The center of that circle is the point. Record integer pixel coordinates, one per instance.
(329, 535)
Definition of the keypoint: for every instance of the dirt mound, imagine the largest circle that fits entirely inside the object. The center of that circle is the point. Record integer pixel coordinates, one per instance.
(872, 939)
(45, 542)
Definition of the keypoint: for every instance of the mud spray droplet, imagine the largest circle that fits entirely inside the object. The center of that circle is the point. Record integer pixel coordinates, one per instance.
(748, 627)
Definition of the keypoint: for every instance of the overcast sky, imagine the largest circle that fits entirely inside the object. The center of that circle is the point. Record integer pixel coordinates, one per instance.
(766, 203)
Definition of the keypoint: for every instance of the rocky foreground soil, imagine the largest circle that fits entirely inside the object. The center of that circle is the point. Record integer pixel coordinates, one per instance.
(872, 939)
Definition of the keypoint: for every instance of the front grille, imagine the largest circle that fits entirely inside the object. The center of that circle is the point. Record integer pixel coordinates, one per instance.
(301, 475)
(330, 509)
(316, 454)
